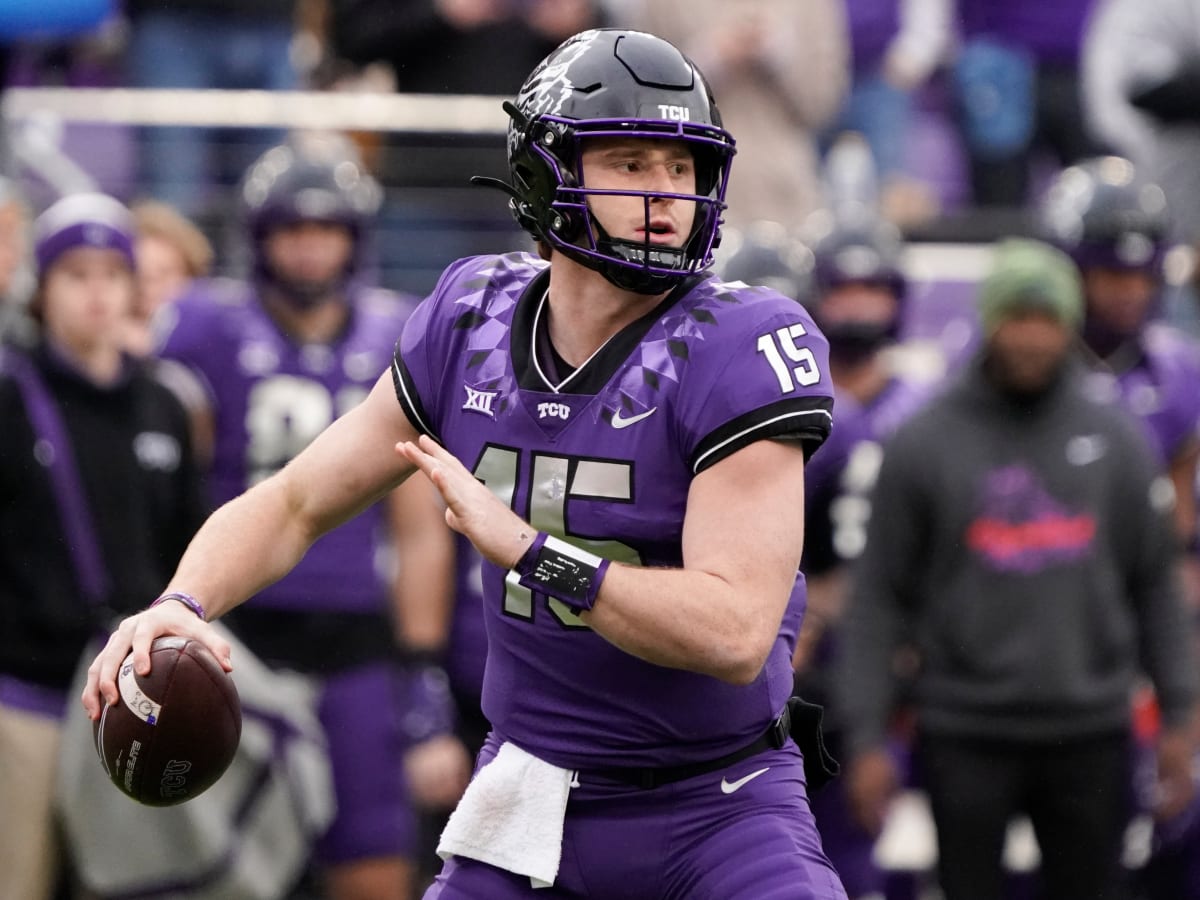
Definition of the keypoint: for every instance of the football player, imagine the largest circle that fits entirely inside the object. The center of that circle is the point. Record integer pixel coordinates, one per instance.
(1113, 224)
(281, 356)
(622, 436)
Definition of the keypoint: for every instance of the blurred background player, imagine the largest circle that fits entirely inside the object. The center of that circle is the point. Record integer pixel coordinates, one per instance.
(1113, 223)
(1021, 539)
(280, 357)
(99, 495)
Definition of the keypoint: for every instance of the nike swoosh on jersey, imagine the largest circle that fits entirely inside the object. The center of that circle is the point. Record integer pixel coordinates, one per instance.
(728, 787)
(618, 421)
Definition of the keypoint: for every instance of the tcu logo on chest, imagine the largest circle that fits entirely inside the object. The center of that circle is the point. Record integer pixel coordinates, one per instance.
(554, 410)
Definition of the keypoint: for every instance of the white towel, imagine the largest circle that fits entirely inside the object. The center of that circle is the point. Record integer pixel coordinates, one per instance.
(511, 816)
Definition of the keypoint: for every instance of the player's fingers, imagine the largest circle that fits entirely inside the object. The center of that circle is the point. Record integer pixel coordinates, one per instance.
(143, 635)
(417, 457)
(93, 699)
(221, 650)
(109, 661)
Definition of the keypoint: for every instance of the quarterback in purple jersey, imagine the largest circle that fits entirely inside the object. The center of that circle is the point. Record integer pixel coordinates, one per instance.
(622, 436)
(279, 358)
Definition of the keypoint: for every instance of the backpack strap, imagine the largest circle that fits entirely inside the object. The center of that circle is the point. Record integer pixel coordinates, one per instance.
(73, 511)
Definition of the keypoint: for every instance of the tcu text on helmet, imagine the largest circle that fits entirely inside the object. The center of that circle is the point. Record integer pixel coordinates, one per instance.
(674, 113)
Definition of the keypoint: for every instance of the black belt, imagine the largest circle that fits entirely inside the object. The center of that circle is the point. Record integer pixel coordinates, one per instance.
(772, 739)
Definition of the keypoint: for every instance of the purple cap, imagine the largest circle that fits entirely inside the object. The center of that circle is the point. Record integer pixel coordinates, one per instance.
(83, 220)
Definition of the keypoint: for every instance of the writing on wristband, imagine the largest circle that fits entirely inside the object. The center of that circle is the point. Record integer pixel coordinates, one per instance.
(562, 571)
(186, 599)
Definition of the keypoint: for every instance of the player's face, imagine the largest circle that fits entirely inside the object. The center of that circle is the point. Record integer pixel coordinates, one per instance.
(859, 303)
(315, 253)
(1120, 298)
(162, 273)
(637, 164)
(87, 295)
(1027, 350)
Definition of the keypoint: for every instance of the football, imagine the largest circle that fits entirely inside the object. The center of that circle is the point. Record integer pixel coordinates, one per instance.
(174, 731)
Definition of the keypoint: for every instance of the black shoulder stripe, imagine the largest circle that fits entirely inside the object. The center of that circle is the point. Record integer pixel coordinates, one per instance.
(806, 419)
(410, 401)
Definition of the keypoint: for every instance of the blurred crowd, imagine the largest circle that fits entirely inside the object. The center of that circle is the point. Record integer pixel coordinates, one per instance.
(888, 153)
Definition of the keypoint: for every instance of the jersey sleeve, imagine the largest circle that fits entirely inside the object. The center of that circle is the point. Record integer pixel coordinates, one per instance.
(423, 353)
(769, 379)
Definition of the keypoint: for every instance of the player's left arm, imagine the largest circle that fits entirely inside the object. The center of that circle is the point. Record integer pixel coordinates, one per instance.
(742, 537)
(720, 613)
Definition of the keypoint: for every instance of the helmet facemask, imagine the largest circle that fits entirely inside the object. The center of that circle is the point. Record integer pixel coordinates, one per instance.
(571, 227)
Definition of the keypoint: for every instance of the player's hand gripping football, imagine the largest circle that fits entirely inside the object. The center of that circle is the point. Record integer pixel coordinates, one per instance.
(471, 509)
(137, 633)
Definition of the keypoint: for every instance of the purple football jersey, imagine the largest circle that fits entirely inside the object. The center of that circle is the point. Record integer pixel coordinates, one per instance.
(271, 396)
(605, 461)
(1160, 389)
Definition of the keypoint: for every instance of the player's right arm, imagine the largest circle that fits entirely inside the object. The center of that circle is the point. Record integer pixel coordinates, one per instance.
(257, 538)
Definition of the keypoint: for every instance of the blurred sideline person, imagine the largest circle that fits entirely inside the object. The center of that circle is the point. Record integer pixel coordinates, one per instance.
(641, 620)
(171, 253)
(1113, 223)
(98, 499)
(1021, 535)
(280, 357)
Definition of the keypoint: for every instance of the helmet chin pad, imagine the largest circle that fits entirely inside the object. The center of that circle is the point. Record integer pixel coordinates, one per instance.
(639, 266)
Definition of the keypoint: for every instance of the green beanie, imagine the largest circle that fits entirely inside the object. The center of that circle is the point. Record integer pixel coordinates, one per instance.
(1029, 275)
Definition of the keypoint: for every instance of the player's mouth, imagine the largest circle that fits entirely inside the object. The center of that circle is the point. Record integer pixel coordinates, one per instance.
(659, 232)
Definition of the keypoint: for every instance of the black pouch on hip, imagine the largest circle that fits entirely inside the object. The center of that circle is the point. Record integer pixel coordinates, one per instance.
(819, 765)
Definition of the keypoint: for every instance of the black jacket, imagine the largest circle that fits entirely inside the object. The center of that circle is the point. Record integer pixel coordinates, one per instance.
(133, 452)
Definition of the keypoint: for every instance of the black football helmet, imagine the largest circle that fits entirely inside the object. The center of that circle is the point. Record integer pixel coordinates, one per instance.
(310, 178)
(614, 83)
(860, 249)
(864, 249)
(765, 253)
(1105, 215)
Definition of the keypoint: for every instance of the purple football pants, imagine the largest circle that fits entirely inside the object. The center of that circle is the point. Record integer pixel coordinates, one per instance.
(695, 839)
(360, 710)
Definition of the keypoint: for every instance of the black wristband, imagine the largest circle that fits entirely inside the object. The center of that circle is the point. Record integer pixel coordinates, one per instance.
(562, 571)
